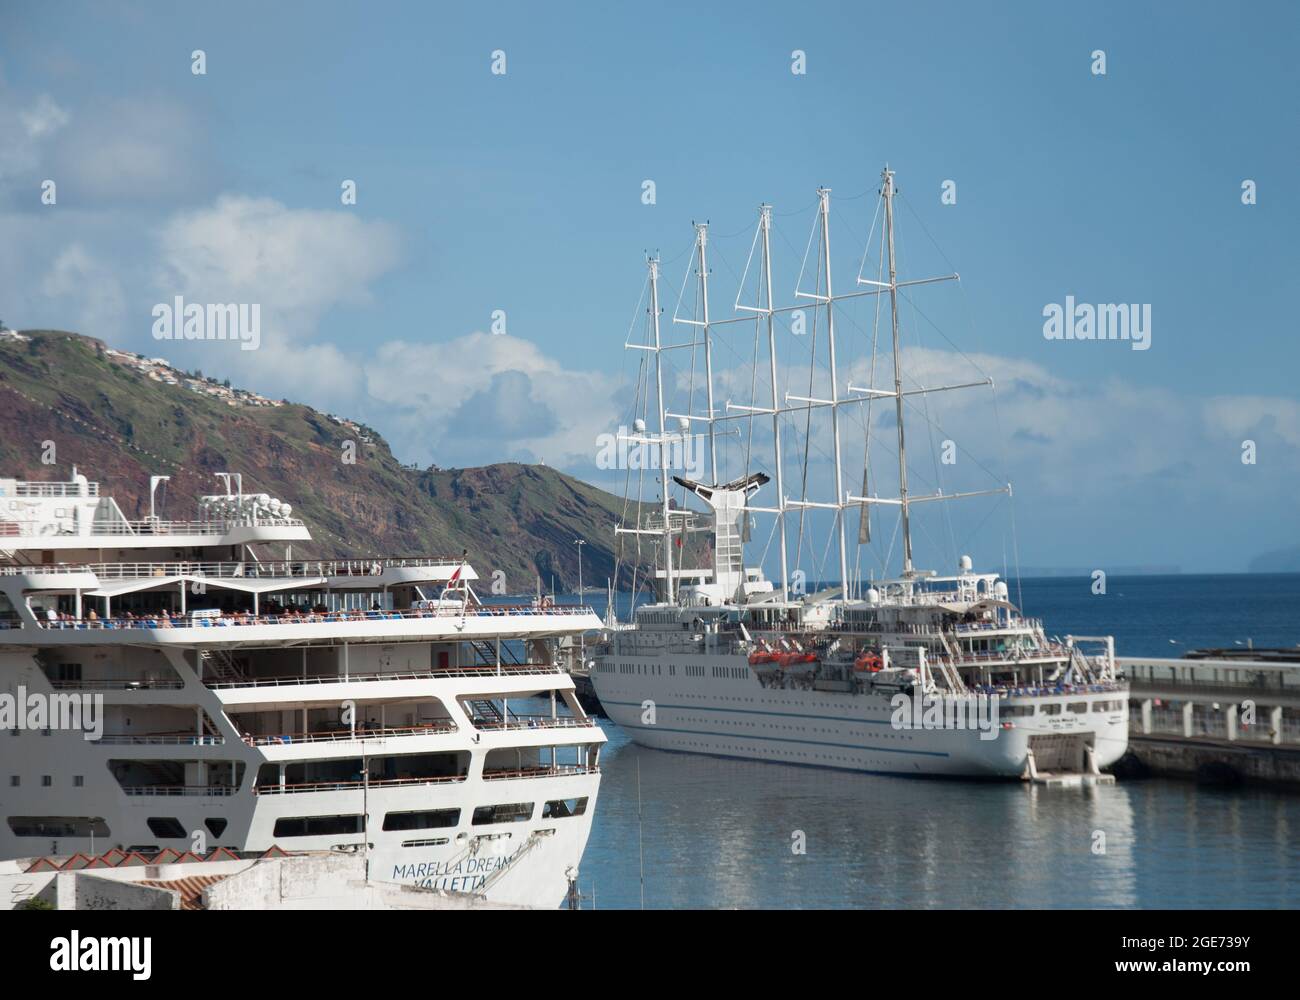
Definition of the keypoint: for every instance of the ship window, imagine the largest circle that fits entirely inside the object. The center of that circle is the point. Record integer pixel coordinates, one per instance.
(46, 781)
(166, 827)
(78, 781)
(15, 781)
(429, 819)
(64, 672)
(1078, 706)
(216, 825)
(1052, 708)
(58, 826)
(430, 842)
(511, 812)
(560, 808)
(316, 826)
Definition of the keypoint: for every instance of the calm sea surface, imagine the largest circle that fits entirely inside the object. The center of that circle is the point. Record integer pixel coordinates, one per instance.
(715, 832)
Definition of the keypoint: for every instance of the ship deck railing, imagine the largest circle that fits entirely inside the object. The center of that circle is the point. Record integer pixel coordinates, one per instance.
(37, 528)
(1033, 691)
(1020, 624)
(350, 785)
(161, 739)
(231, 569)
(915, 628)
(533, 722)
(290, 680)
(538, 772)
(1006, 656)
(360, 733)
(45, 488)
(219, 791)
(119, 684)
(319, 618)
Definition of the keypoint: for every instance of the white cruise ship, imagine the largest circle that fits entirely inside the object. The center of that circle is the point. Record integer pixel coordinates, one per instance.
(916, 673)
(192, 684)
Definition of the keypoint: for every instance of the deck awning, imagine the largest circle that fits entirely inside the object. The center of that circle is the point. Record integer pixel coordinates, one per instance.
(246, 585)
(993, 603)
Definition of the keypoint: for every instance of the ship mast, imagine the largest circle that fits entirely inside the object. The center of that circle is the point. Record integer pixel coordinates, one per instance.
(765, 223)
(669, 590)
(905, 500)
(888, 178)
(825, 195)
(701, 242)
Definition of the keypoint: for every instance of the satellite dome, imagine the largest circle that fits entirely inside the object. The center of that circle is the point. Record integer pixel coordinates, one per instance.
(965, 564)
(638, 425)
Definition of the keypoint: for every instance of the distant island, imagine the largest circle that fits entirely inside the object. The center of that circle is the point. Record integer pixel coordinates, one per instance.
(1279, 561)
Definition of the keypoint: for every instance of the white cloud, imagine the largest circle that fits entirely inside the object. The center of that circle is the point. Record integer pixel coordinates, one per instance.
(1240, 417)
(478, 396)
(85, 289)
(44, 117)
(298, 263)
(148, 149)
(26, 124)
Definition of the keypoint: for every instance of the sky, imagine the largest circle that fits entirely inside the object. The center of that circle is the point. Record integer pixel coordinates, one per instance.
(472, 305)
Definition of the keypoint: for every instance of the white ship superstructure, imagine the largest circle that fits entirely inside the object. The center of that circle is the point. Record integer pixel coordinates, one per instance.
(918, 673)
(246, 699)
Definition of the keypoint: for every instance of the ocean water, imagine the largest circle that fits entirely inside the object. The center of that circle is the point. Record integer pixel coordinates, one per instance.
(683, 830)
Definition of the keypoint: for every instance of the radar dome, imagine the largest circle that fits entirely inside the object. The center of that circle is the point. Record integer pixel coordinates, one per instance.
(638, 425)
(873, 596)
(1000, 588)
(965, 564)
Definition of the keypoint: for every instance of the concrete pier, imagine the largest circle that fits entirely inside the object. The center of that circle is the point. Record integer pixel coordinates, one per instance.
(1219, 715)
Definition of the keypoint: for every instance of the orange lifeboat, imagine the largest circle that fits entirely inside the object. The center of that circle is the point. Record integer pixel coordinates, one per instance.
(867, 661)
(761, 656)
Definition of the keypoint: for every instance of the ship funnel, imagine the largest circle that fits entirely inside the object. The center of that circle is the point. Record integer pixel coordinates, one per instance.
(728, 504)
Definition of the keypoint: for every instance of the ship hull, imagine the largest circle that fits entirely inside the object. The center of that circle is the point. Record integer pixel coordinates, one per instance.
(717, 705)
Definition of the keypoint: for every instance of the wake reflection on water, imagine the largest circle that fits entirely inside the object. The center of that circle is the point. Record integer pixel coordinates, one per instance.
(719, 832)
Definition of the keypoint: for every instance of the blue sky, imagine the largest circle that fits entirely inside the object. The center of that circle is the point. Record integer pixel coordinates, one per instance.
(522, 192)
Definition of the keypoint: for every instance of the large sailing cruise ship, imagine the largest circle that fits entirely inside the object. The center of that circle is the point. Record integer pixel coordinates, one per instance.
(187, 685)
(916, 673)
